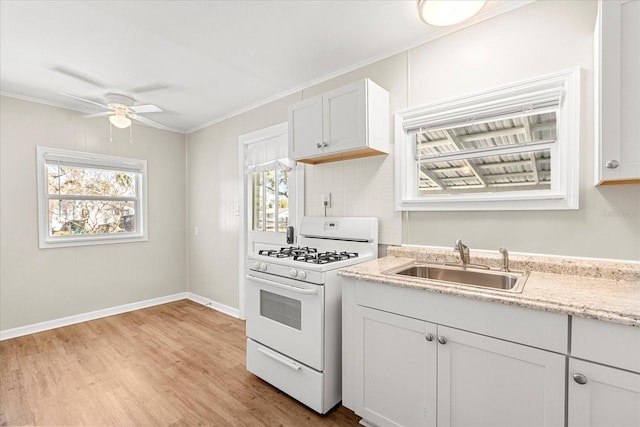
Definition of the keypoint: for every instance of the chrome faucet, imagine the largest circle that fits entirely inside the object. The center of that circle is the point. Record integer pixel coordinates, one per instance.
(505, 259)
(465, 257)
(463, 251)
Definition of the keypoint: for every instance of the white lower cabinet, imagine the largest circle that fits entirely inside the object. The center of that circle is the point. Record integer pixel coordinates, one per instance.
(604, 374)
(602, 396)
(396, 380)
(485, 381)
(410, 372)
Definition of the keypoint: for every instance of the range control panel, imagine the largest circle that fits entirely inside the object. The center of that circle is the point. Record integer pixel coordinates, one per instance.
(331, 226)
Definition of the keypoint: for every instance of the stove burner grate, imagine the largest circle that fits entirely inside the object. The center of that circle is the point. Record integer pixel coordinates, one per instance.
(291, 251)
(325, 257)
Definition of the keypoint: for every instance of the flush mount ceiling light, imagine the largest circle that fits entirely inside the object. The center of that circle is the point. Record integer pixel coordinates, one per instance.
(120, 119)
(441, 13)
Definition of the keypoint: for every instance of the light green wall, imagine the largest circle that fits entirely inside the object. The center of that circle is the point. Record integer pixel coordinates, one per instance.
(535, 40)
(540, 38)
(214, 193)
(39, 285)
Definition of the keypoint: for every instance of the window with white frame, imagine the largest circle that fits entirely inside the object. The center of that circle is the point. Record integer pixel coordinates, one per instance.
(273, 183)
(88, 199)
(514, 147)
(270, 200)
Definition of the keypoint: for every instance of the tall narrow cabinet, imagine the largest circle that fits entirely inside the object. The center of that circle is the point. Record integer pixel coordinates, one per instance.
(617, 92)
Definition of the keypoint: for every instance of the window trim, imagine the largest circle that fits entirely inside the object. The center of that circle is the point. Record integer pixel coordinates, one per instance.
(85, 159)
(565, 159)
(248, 237)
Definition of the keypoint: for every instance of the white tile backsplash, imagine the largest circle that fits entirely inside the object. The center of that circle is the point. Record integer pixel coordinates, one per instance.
(359, 187)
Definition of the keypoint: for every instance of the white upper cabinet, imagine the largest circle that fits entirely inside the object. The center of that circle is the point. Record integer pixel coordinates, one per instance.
(345, 123)
(617, 92)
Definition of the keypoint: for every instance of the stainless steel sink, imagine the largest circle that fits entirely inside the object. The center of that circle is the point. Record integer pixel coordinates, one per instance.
(511, 281)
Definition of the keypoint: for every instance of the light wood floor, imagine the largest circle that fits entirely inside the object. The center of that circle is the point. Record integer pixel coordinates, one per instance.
(177, 364)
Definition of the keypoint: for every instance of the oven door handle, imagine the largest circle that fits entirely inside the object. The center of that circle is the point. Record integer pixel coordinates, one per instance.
(283, 286)
(279, 359)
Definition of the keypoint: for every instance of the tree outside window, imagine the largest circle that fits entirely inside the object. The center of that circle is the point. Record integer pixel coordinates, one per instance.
(271, 200)
(86, 198)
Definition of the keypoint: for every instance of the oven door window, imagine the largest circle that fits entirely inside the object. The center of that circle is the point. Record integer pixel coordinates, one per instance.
(284, 310)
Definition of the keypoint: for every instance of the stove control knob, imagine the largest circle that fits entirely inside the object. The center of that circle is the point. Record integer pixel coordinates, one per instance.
(256, 265)
(293, 272)
(263, 266)
(302, 275)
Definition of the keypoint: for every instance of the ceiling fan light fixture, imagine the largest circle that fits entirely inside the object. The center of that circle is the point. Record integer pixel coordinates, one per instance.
(442, 13)
(120, 119)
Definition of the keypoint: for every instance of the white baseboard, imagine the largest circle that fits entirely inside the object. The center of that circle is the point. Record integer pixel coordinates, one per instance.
(233, 312)
(84, 317)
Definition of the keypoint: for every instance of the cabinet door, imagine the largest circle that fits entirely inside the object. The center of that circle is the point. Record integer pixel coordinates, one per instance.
(485, 381)
(610, 397)
(618, 91)
(344, 114)
(305, 128)
(396, 384)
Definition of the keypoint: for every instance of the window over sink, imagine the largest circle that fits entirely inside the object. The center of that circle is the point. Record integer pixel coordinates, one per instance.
(511, 148)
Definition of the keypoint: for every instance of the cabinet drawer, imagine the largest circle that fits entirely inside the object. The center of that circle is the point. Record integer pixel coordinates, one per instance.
(607, 343)
(297, 380)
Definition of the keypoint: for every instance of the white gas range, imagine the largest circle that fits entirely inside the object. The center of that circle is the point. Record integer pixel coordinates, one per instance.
(293, 307)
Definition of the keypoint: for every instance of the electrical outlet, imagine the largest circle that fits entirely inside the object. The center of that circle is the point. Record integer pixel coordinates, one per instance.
(326, 200)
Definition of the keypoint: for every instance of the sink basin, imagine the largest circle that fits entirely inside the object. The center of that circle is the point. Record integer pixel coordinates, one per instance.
(511, 281)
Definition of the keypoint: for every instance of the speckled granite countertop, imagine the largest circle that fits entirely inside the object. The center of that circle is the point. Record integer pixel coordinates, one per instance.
(604, 290)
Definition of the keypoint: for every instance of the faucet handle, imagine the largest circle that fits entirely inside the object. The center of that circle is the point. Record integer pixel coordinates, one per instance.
(463, 252)
(505, 259)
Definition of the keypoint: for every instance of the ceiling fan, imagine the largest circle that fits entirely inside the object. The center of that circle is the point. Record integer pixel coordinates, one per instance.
(121, 110)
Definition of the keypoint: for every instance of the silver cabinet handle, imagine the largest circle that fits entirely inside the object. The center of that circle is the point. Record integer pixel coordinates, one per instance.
(429, 337)
(319, 145)
(442, 340)
(580, 379)
(325, 144)
(612, 164)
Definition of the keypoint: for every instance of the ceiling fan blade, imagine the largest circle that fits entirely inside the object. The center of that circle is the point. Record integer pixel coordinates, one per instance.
(103, 114)
(85, 100)
(147, 108)
(79, 76)
(147, 122)
(150, 88)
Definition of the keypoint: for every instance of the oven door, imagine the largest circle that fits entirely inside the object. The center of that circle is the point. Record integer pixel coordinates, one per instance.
(286, 315)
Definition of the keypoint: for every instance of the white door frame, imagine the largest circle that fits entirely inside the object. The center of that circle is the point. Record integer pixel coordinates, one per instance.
(296, 188)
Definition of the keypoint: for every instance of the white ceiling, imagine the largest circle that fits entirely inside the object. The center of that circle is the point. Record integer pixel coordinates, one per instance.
(199, 61)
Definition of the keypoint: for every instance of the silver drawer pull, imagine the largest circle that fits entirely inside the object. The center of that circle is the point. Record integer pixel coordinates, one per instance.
(429, 337)
(280, 359)
(580, 379)
(612, 164)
